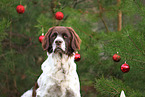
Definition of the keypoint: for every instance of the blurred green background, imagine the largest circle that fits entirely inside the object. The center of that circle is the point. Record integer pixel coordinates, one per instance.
(105, 28)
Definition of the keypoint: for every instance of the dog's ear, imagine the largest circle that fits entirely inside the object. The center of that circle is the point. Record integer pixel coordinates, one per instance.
(76, 41)
(46, 40)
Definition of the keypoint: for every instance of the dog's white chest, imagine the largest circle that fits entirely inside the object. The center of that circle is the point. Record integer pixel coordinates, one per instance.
(58, 75)
(61, 71)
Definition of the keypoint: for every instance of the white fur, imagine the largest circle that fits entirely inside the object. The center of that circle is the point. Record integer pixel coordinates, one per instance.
(27, 93)
(59, 77)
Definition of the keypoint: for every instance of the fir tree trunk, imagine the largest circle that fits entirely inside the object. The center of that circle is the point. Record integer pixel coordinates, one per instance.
(119, 17)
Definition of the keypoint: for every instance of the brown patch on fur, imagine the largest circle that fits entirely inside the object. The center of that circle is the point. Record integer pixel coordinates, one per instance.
(34, 90)
(45, 42)
(76, 41)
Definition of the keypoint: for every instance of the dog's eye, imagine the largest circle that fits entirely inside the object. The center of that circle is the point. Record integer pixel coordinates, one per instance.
(65, 36)
(54, 35)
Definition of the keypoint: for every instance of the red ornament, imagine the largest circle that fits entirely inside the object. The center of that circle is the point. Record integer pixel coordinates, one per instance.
(41, 37)
(77, 57)
(125, 67)
(116, 57)
(59, 15)
(20, 9)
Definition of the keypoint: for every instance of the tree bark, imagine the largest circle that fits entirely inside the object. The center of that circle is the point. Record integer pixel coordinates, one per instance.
(119, 17)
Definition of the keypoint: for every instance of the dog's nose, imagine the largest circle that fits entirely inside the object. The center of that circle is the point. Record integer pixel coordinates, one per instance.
(58, 42)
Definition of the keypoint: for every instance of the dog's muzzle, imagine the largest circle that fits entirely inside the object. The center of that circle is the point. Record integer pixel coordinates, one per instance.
(59, 45)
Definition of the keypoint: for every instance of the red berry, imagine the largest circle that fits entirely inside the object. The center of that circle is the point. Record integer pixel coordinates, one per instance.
(125, 67)
(20, 9)
(59, 15)
(77, 57)
(41, 38)
(116, 58)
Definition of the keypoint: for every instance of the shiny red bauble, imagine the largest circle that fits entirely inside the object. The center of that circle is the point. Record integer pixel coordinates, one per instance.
(20, 9)
(59, 15)
(41, 37)
(116, 57)
(77, 57)
(125, 67)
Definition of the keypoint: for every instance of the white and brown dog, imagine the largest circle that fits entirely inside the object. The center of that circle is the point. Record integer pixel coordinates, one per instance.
(59, 77)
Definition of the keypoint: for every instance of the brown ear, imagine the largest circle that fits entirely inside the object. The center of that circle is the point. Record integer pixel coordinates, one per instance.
(76, 41)
(46, 40)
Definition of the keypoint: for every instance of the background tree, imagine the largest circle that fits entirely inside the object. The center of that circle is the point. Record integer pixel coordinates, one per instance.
(96, 22)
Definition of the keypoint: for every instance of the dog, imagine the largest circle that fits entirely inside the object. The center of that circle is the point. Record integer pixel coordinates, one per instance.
(59, 77)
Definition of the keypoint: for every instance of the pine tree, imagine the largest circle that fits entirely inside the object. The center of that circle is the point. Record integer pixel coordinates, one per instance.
(103, 33)
(130, 43)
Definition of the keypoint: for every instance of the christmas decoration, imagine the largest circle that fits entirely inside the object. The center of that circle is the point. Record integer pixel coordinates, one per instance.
(59, 15)
(77, 57)
(41, 37)
(116, 57)
(125, 67)
(20, 9)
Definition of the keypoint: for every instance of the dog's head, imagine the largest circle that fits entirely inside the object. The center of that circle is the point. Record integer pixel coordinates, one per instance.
(61, 39)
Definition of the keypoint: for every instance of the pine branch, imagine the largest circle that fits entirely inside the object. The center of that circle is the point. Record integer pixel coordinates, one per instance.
(104, 23)
(119, 47)
(130, 54)
(53, 6)
(138, 61)
(135, 45)
(3, 55)
(100, 15)
(112, 88)
(142, 43)
(13, 34)
(77, 2)
(10, 35)
(84, 32)
(137, 4)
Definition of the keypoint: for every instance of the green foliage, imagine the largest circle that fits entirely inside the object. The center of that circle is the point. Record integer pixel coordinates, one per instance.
(4, 24)
(111, 87)
(130, 44)
(21, 54)
(43, 24)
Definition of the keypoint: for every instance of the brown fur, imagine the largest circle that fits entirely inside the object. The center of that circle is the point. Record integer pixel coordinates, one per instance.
(34, 90)
(45, 41)
(74, 39)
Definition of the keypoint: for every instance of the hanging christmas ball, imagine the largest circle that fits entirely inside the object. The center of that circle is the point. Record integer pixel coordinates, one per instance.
(77, 57)
(116, 57)
(125, 67)
(59, 15)
(41, 37)
(20, 9)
